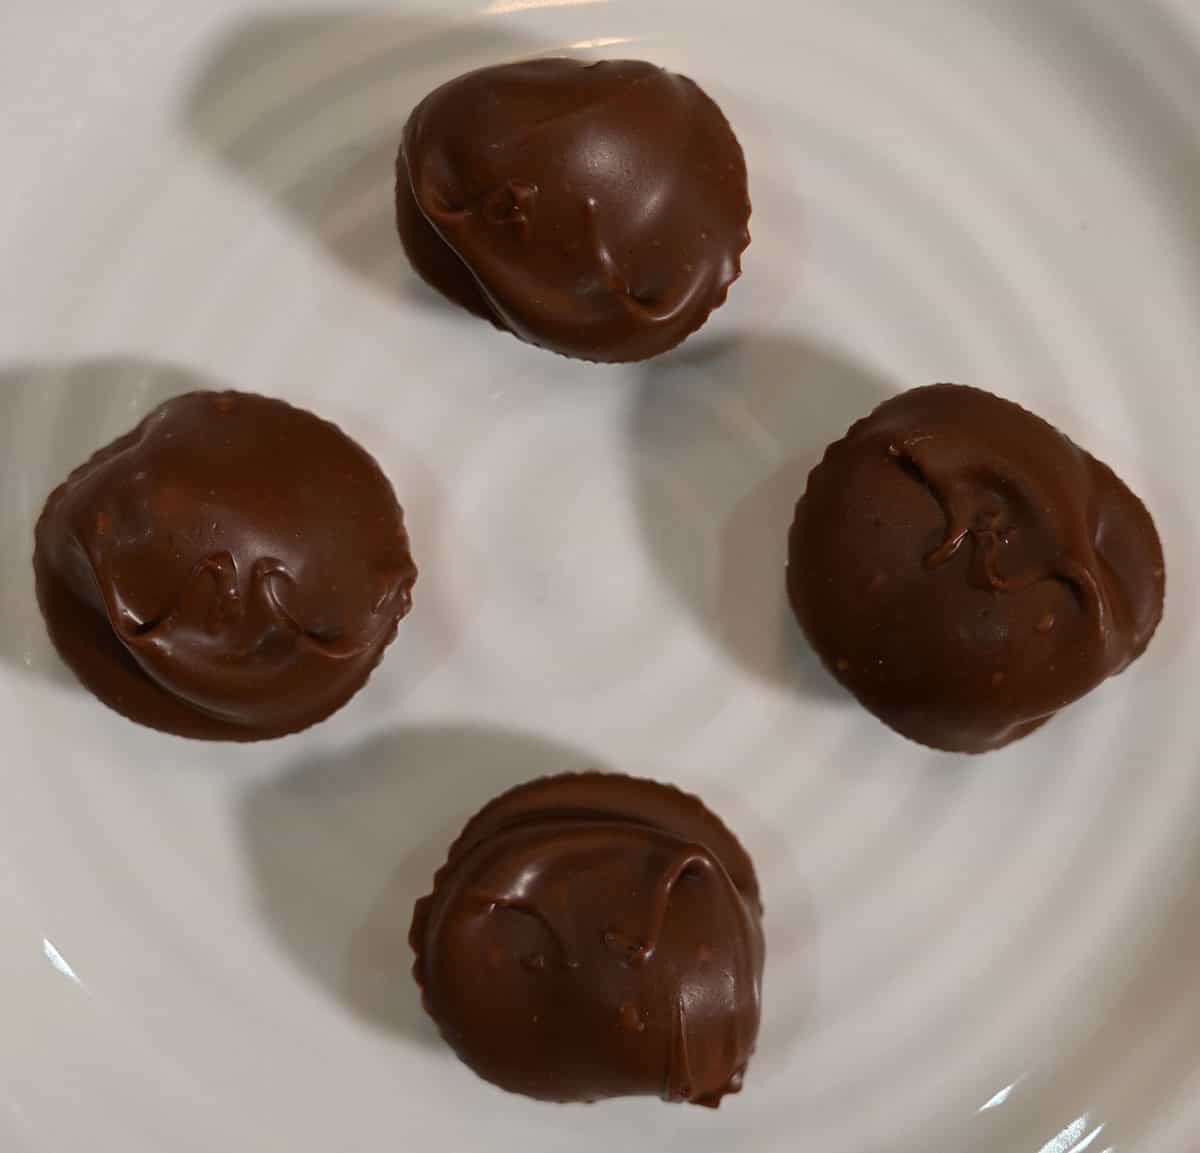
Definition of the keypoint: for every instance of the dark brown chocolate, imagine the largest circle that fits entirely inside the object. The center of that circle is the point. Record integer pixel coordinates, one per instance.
(596, 936)
(599, 211)
(233, 568)
(966, 571)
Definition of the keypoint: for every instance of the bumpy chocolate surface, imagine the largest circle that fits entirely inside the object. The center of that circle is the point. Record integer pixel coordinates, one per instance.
(966, 571)
(599, 211)
(596, 936)
(233, 568)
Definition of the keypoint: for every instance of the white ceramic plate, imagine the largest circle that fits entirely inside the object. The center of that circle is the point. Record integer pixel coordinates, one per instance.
(203, 948)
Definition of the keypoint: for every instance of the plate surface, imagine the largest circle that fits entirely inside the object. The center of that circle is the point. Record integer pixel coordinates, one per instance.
(204, 947)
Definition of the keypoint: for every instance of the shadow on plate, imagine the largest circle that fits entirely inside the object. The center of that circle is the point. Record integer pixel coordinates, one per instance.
(343, 845)
(309, 109)
(52, 418)
(723, 436)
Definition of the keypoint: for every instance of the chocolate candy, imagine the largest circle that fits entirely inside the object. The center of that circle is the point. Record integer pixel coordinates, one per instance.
(596, 936)
(966, 571)
(599, 211)
(233, 568)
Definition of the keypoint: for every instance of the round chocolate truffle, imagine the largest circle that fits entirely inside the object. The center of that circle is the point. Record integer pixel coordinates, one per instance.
(233, 568)
(596, 936)
(966, 571)
(599, 211)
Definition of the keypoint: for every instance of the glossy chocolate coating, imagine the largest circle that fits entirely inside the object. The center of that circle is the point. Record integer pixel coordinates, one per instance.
(599, 211)
(596, 936)
(233, 568)
(966, 571)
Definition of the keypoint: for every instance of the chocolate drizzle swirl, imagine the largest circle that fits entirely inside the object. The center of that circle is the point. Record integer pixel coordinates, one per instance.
(595, 936)
(231, 569)
(967, 571)
(597, 210)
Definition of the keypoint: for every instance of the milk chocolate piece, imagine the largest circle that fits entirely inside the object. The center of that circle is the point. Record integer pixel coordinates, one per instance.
(966, 571)
(596, 936)
(599, 211)
(231, 569)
